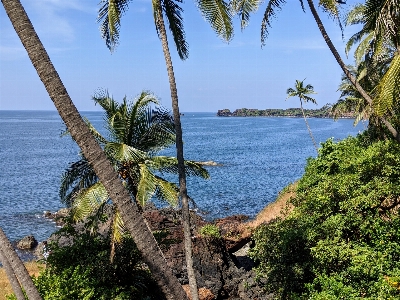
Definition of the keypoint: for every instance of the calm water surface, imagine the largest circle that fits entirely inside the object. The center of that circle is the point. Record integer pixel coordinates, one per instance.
(259, 157)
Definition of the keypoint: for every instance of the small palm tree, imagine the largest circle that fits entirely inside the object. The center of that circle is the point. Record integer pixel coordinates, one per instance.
(136, 132)
(302, 91)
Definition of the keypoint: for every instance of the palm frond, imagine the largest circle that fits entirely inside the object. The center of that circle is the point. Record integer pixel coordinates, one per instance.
(244, 8)
(167, 191)
(118, 230)
(219, 15)
(332, 8)
(146, 186)
(122, 152)
(79, 175)
(110, 13)
(88, 201)
(167, 164)
(388, 90)
(270, 12)
(175, 21)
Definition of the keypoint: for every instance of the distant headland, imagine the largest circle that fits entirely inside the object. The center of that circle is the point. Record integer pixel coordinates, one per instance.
(323, 112)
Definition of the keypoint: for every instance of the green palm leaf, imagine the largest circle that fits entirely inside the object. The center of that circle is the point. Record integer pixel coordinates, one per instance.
(169, 164)
(219, 15)
(147, 185)
(79, 175)
(388, 90)
(175, 21)
(88, 201)
(122, 152)
(109, 16)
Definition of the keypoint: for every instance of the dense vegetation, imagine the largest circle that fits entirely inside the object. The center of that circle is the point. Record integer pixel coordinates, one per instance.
(323, 112)
(83, 269)
(342, 240)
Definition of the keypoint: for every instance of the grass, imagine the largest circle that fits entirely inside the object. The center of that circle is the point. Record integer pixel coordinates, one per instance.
(33, 268)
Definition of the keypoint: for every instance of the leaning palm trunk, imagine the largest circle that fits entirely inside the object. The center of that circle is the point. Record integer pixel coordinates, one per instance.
(11, 277)
(129, 212)
(308, 127)
(179, 153)
(18, 268)
(352, 79)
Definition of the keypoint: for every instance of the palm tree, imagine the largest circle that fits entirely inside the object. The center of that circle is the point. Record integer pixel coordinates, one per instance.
(330, 6)
(302, 92)
(136, 132)
(11, 277)
(379, 48)
(218, 13)
(18, 268)
(96, 157)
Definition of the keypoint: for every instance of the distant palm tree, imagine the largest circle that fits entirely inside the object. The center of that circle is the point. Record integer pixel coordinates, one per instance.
(136, 131)
(332, 8)
(130, 213)
(302, 92)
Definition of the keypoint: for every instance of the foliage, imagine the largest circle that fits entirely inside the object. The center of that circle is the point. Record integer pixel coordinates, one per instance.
(342, 240)
(82, 269)
(210, 230)
(136, 131)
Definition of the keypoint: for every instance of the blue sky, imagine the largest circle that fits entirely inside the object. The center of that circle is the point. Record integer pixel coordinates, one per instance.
(216, 75)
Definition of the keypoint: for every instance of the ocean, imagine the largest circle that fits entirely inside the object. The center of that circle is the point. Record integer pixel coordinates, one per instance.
(258, 156)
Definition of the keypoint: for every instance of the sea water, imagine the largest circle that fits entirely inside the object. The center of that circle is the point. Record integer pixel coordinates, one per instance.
(258, 157)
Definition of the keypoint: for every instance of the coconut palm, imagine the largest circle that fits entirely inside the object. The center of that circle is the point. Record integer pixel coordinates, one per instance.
(218, 14)
(95, 155)
(136, 132)
(18, 268)
(302, 92)
(379, 46)
(332, 8)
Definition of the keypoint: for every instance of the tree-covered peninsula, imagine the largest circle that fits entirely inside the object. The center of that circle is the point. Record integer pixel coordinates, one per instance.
(323, 112)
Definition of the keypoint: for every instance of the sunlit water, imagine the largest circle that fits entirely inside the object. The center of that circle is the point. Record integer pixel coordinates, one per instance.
(259, 157)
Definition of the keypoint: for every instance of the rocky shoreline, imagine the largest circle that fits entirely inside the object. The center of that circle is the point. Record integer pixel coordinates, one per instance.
(223, 268)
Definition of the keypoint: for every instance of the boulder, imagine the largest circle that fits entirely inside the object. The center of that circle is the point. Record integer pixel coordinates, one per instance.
(27, 243)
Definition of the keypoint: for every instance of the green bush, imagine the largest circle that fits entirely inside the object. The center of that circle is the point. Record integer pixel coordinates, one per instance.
(83, 270)
(210, 230)
(342, 240)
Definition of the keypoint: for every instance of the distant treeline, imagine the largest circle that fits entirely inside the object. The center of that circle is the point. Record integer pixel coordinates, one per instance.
(323, 112)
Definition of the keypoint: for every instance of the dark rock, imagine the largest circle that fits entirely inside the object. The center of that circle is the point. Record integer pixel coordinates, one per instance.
(27, 243)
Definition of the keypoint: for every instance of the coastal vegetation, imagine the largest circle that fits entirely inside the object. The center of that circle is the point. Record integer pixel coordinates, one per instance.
(338, 237)
(323, 112)
(341, 241)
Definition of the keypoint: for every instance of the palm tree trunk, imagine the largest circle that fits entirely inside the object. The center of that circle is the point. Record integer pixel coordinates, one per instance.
(352, 79)
(11, 277)
(308, 127)
(179, 153)
(130, 214)
(18, 267)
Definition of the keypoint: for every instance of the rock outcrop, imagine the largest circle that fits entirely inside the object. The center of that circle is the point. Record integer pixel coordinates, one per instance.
(27, 243)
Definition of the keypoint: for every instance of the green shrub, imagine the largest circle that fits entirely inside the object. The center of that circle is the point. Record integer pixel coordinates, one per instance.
(84, 270)
(210, 230)
(342, 240)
